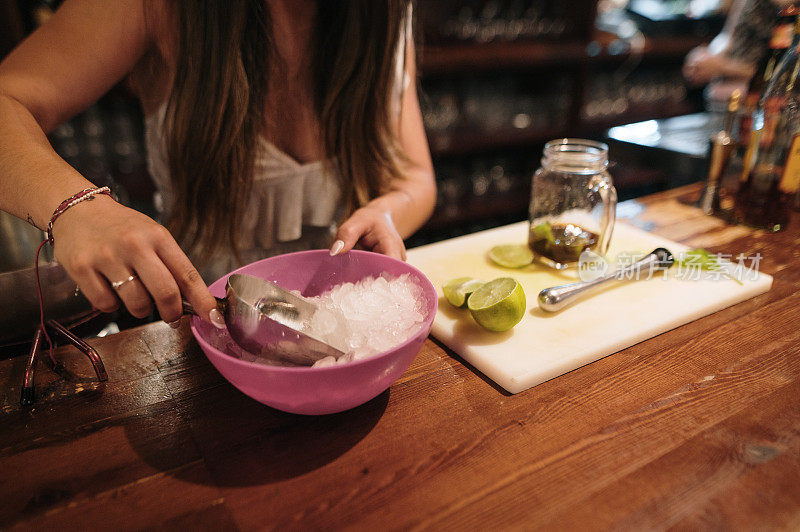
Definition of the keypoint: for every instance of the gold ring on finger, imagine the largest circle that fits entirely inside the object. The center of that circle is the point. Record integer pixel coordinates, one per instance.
(117, 284)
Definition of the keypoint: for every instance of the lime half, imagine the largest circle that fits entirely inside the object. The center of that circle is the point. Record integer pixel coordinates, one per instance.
(543, 231)
(511, 255)
(498, 305)
(458, 290)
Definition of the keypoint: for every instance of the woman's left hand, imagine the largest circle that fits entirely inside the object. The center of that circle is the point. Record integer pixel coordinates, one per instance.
(370, 228)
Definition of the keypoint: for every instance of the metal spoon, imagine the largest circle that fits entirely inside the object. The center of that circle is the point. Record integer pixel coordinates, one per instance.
(265, 319)
(557, 297)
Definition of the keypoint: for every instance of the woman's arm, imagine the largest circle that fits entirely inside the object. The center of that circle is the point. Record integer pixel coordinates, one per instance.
(85, 48)
(383, 223)
(54, 74)
(733, 53)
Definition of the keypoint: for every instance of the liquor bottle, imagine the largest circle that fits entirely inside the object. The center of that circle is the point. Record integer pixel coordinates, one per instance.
(772, 166)
(721, 147)
(781, 39)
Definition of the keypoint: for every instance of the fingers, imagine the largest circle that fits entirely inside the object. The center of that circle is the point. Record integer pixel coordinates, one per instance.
(94, 287)
(337, 247)
(691, 66)
(372, 231)
(348, 234)
(688, 71)
(189, 281)
(132, 293)
(386, 242)
(163, 273)
(106, 243)
(160, 284)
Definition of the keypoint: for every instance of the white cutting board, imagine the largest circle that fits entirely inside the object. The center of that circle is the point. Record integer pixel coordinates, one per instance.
(543, 345)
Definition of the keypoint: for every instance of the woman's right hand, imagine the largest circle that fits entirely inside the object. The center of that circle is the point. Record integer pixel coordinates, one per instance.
(701, 66)
(100, 242)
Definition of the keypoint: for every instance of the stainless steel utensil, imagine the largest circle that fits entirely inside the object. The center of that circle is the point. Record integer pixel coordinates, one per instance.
(268, 320)
(556, 298)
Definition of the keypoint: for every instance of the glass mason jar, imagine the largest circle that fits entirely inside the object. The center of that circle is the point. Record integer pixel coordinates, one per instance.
(573, 202)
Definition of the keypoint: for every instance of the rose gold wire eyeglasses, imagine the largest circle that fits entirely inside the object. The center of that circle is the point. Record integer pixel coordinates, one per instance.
(55, 329)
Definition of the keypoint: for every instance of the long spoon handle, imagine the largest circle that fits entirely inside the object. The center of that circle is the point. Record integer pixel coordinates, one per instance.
(556, 298)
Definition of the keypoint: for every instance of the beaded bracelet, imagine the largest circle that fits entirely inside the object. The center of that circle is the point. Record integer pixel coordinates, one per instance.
(83, 195)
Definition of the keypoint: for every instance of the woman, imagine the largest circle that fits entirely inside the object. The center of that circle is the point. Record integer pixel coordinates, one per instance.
(733, 54)
(266, 121)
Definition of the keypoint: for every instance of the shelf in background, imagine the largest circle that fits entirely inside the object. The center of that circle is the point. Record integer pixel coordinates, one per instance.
(466, 141)
(638, 115)
(499, 55)
(605, 46)
(668, 46)
(478, 209)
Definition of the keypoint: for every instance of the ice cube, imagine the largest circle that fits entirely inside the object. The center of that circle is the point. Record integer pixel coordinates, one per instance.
(370, 316)
(322, 323)
(325, 362)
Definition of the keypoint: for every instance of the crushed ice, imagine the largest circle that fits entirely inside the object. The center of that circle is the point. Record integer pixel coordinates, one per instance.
(368, 317)
(360, 319)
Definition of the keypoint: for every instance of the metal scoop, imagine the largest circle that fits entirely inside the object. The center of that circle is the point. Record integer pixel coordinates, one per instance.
(555, 298)
(268, 320)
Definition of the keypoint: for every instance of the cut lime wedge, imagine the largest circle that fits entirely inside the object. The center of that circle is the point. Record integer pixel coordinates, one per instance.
(458, 290)
(498, 305)
(511, 255)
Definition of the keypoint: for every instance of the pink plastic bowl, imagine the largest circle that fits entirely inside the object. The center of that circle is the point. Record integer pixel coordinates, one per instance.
(306, 390)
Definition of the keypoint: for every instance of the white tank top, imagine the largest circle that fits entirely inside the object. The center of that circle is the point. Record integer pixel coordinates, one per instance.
(293, 206)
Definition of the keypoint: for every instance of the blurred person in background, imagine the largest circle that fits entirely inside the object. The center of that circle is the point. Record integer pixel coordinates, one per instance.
(729, 61)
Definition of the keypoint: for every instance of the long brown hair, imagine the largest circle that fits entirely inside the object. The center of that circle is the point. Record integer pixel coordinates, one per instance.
(217, 108)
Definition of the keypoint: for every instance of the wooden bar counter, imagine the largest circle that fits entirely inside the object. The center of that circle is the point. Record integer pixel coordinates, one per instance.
(696, 428)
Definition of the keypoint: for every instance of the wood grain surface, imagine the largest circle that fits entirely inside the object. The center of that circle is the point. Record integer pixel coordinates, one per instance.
(698, 428)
